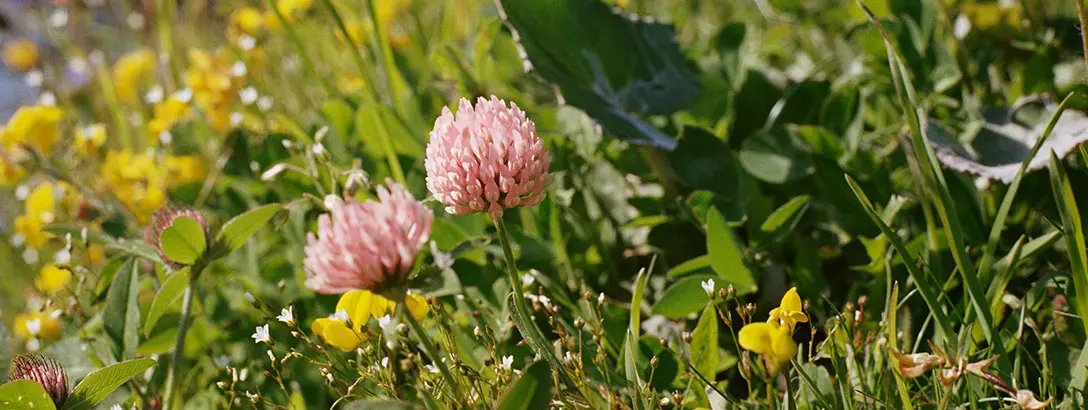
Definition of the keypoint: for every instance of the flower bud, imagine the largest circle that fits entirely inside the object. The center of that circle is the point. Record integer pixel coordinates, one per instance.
(44, 371)
(164, 219)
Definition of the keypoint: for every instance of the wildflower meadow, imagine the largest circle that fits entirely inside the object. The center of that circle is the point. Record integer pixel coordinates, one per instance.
(535, 204)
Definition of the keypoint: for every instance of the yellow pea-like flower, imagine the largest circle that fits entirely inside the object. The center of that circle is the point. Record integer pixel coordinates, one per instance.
(246, 20)
(21, 54)
(773, 342)
(36, 126)
(52, 279)
(90, 139)
(334, 331)
(789, 312)
(130, 71)
(42, 325)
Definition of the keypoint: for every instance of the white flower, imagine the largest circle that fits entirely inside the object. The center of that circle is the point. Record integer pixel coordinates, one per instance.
(155, 94)
(34, 326)
(385, 361)
(264, 103)
(261, 335)
(116, 407)
(238, 69)
(441, 259)
(527, 279)
(708, 286)
(287, 315)
(248, 95)
(34, 78)
(507, 362)
(185, 95)
(246, 42)
(431, 368)
(386, 323)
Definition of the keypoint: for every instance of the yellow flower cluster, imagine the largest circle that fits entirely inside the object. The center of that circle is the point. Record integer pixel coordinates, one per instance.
(166, 114)
(774, 339)
(290, 9)
(214, 86)
(130, 72)
(140, 181)
(90, 139)
(35, 126)
(20, 55)
(52, 279)
(355, 308)
(38, 325)
(39, 210)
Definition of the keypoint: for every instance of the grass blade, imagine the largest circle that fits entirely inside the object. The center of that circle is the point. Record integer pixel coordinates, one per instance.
(1074, 234)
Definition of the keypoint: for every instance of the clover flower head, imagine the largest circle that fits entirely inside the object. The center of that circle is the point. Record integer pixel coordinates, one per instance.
(365, 245)
(486, 157)
(44, 371)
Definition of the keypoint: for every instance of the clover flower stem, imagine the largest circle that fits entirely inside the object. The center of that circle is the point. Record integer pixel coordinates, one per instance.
(179, 346)
(430, 349)
(529, 330)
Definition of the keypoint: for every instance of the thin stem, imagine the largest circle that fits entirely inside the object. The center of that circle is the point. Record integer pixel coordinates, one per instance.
(431, 350)
(1083, 15)
(179, 346)
(522, 319)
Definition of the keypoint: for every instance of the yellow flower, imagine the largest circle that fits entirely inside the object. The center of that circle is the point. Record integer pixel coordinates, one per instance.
(356, 307)
(334, 331)
(42, 325)
(166, 114)
(130, 71)
(21, 54)
(39, 211)
(789, 311)
(773, 342)
(90, 139)
(10, 172)
(214, 85)
(37, 126)
(184, 169)
(350, 83)
(52, 279)
(137, 180)
(356, 32)
(246, 20)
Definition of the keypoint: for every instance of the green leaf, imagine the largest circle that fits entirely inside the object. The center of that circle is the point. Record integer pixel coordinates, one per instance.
(725, 253)
(612, 67)
(775, 157)
(683, 298)
(782, 221)
(169, 293)
(5, 351)
(704, 343)
(533, 390)
(135, 248)
(704, 162)
(379, 405)
(24, 394)
(630, 343)
(237, 231)
(694, 266)
(100, 383)
(184, 241)
(1074, 234)
(121, 316)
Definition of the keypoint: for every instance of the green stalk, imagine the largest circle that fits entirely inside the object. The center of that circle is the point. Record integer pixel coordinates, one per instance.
(431, 350)
(522, 319)
(179, 346)
(164, 16)
(306, 61)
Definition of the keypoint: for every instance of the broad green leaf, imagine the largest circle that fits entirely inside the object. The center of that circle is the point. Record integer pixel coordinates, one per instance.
(24, 395)
(379, 405)
(237, 231)
(704, 162)
(694, 266)
(782, 221)
(775, 157)
(121, 316)
(612, 67)
(726, 256)
(184, 241)
(533, 390)
(704, 343)
(169, 293)
(135, 248)
(684, 297)
(100, 383)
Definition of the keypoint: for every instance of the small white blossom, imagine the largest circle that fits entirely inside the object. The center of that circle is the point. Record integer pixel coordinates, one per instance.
(386, 323)
(708, 286)
(264, 103)
(441, 259)
(238, 69)
(34, 326)
(507, 362)
(261, 335)
(246, 42)
(155, 94)
(431, 368)
(527, 279)
(340, 314)
(287, 315)
(34, 78)
(59, 18)
(248, 95)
